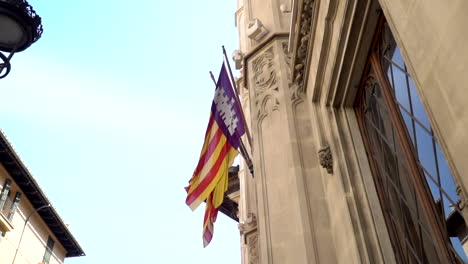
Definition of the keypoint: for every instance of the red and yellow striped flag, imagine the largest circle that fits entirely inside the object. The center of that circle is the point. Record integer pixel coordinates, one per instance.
(210, 178)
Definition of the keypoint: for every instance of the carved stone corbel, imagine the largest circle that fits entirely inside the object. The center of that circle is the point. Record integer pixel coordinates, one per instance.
(326, 159)
(249, 225)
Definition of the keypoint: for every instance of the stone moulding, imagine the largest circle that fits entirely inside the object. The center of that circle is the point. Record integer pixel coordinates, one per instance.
(287, 61)
(302, 43)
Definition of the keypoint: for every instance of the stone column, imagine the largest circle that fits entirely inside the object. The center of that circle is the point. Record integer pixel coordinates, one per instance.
(291, 222)
(248, 202)
(287, 232)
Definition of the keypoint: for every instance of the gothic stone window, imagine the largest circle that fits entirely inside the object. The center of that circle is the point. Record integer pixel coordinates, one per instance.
(414, 184)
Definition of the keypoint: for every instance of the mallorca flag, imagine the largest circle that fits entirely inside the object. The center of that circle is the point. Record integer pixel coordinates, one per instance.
(210, 178)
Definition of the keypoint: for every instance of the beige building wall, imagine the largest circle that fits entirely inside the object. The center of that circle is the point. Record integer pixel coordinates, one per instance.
(313, 195)
(36, 233)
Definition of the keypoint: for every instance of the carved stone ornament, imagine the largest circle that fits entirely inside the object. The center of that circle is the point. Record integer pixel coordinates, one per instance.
(252, 243)
(265, 84)
(264, 75)
(326, 159)
(287, 60)
(300, 61)
(249, 225)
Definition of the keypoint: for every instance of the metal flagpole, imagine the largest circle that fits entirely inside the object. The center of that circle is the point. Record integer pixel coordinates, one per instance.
(213, 78)
(243, 150)
(247, 132)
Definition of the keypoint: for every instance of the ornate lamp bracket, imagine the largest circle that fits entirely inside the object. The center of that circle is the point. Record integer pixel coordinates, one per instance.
(21, 27)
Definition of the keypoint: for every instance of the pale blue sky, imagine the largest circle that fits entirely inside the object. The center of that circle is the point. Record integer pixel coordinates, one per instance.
(108, 110)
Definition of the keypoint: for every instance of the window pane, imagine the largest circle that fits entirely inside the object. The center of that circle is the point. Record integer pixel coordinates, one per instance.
(458, 247)
(397, 58)
(433, 186)
(418, 109)
(409, 123)
(446, 180)
(425, 150)
(401, 87)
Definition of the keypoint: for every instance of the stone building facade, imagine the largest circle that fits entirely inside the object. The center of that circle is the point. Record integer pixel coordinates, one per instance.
(359, 130)
(31, 231)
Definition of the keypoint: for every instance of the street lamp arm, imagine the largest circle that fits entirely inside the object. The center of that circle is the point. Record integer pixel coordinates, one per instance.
(35, 211)
(24, 228)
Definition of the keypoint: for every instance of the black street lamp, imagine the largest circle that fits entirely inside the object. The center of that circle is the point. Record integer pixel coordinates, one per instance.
(20, 27)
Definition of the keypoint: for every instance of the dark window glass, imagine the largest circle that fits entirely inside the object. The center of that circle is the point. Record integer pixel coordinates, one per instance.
(14, 206)
(48, 250)
(4, 193)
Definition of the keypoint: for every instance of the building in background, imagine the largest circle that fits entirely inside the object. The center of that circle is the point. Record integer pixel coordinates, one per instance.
(31, 230)
(359, 121)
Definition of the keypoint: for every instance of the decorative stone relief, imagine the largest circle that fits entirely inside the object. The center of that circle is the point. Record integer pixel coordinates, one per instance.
(300, 61)
(249, 225)
(248, 230)
(326, 159)
(252, 243)
(265, 85)
(264, 73)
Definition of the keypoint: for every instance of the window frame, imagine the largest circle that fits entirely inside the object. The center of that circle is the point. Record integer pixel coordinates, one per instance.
(428, 206)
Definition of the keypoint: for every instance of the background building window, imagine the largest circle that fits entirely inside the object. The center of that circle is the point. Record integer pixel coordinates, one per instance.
(48, 250)
(4, 194)
(412, 178)
(14, 205)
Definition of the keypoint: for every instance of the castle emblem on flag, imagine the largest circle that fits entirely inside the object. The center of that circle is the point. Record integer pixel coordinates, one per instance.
(225, 106)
